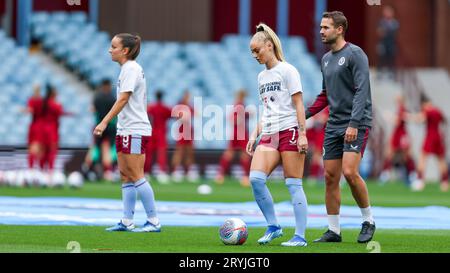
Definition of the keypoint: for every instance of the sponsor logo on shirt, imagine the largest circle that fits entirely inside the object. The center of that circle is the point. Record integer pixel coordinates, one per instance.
(326, 63)
(269, 87)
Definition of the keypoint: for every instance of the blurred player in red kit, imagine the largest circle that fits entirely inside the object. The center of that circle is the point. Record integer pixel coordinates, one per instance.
(34, 107)
(400, 144)
(158, 114)
(238, 142)
(51, 112)
(316, 135)
(434, 143)
(185, 141)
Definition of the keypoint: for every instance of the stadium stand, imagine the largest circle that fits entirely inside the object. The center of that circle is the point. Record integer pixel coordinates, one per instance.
(20, 72)
(212, 71)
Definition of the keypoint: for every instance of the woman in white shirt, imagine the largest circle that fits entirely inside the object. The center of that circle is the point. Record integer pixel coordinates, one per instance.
(133, 133)
(282, 135)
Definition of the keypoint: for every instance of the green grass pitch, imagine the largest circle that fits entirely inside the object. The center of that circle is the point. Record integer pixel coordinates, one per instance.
(206, 239)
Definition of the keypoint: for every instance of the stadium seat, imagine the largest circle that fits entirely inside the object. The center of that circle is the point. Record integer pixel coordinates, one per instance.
(19, 73)
(212, 71)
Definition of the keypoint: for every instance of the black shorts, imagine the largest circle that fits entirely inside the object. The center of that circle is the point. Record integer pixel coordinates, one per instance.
(334, 145)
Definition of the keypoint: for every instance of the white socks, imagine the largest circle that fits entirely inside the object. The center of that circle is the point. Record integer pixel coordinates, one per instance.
(333, 220)
(153, 220)
(127, 222)
(367, 215)
(333, 223)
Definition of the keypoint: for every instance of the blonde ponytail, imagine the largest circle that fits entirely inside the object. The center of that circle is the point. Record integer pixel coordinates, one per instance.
(270, 35)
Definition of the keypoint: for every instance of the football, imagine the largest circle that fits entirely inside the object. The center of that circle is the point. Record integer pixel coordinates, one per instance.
(204, 189)
(75, 180)
(233, 232)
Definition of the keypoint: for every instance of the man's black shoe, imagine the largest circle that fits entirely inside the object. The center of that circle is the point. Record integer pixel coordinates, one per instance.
(329, 237)
(367, 232)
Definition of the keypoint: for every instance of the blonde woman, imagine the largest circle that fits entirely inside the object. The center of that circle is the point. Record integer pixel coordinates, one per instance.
(283, 135)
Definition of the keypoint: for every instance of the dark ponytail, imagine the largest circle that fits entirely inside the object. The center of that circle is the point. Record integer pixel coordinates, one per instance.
(132, 42)
(48, 94)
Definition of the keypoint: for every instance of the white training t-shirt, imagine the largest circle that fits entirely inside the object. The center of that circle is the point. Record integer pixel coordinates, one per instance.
(133, 119)
(276, 86)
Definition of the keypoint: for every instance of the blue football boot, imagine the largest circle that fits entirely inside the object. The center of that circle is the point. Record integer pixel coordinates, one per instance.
(121, 227)
(295, 241)
(272, 232)
(149, 227)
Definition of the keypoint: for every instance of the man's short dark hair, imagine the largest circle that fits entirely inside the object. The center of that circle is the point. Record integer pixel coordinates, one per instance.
(339, 19)
(424, 98)
(159, 95)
